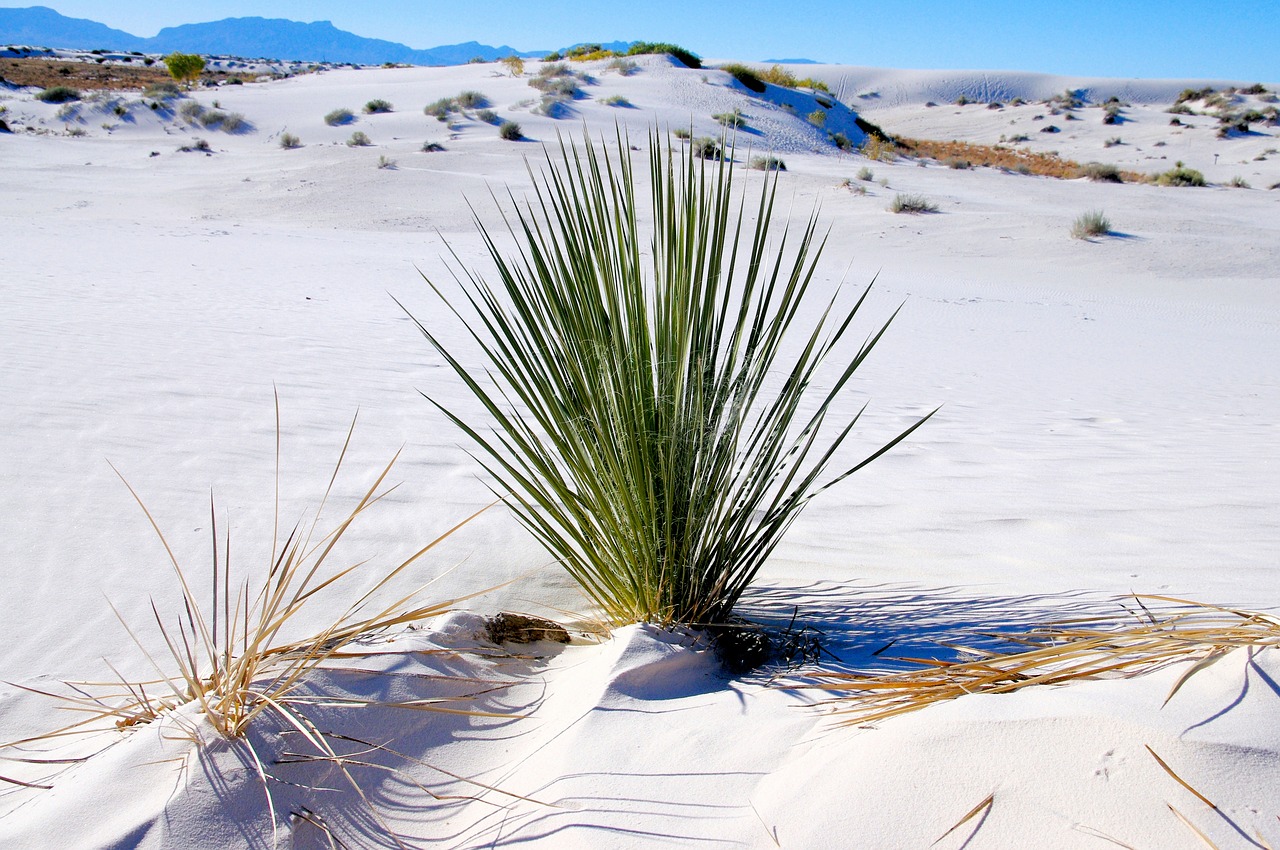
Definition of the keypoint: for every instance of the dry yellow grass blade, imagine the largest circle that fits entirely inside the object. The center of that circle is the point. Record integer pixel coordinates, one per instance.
(1191, 826)
(973, 813)
(1057, 653)
(1179, 779)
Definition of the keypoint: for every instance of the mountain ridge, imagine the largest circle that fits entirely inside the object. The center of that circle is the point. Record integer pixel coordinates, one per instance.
(276, 38)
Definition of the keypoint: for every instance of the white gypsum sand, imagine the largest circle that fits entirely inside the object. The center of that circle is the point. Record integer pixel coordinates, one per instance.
(1109, 426)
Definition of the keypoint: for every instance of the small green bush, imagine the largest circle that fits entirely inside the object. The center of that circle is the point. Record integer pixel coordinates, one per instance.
(682, 134)
(211, 118)
(386, 162)
(488, 116)
(510, 131)
(684, 57)
(471, 100)
(234, 122)
(58, 94)
(707, 148)
(1180, 175)
(767, 163)
(359, 140)
(623, 66)
(746, 76)
(866, 174)
(616, 100)
(162, 91)
(1092, 223)
(289, 141)
(730, 119)
(184, 67)
(338, 117)
(377, 106)
(817, 117)
(1238, 182)
(432, 147)
(912, 204)
(1100, 172)
(842, 141)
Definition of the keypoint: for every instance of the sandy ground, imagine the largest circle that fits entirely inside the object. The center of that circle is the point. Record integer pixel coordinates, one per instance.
(1108, 426)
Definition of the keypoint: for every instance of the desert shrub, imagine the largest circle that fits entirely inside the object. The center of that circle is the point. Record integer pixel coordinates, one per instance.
(730, 119)
(866, 174)
(1019, 137)
(553, 56)
(1111, 115)
(622, 65)
(57, 94)
(1113, 142)
(706, 147)
(959, 164)
(1180, 175)
(358, 140)
(162, 91)
(191, 110)
(682, 133)
(441, 108)
(555, 69)
(1188, 95)
(289, 141)
(377, 106)
(767, 163)
(878, 149)
(338, 117)
(746, 76)
(685, 57)
(432, 147)
(513, 64)
(817, 117)
(842, 141)
(651, 423)
(76, 131)
(234, 122)
(510, 131)
(487, 116)
(471, 100)
(962, 100)
(1256, 88)
(211, 118)
(68, 111)
(385, 161)
(1180, 109)
(1101, 172)
(1092, 223)
(1238, 182)
(616, 100)
(196, 146)
(912, 204)
(184, 67)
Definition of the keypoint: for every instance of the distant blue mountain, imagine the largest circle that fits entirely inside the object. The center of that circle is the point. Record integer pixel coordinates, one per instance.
(270, 38)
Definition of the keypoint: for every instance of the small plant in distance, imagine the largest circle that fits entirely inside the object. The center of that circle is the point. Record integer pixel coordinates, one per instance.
(57, 94)
(913, 204)
(767, 163)
(1238, 182)
(488, 116)
(616, 100)
(513, 64)
(510, 131)
(730, 119)
(817, 117)
(432, 147)
(385, 161)
(1180, 175)
(359, 140)
(184, 67)
(338, 117)
(684, 57)
(656, 415)
(471, 100)
(866, 174)
(1101, 172)
(706, 147)
(682, 133)
(289, 141)
(1090, 224)
(377, 106)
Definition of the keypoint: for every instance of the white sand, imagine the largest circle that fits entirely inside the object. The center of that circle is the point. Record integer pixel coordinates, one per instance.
(1109, 426)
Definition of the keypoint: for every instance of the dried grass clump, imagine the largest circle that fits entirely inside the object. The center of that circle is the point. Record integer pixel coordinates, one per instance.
(289, 141)
(767, 163)
(1090, 224)
(1059, 653)
(913, 204)
(338, 117)
(377, 106)
(1180, 175)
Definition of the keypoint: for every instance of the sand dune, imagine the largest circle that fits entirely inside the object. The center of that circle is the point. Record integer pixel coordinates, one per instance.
(1108, 426)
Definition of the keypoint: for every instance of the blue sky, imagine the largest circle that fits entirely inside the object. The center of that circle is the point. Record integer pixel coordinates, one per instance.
(1229, 39)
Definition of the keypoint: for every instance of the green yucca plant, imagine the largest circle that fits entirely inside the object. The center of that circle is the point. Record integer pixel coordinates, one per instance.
(655, 419)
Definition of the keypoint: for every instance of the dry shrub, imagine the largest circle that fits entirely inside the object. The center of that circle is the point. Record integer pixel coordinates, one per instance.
(999, 156)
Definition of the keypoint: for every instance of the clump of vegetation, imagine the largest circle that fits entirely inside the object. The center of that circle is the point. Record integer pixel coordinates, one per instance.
(731, 119)
(1189, 95)
(962, 100)
(1238, 182)
(706, 147)
(959, 164)
(487, 116)
(1067, 100)
(211, 118)
(385, 161)
(879, 150)
(471, 100)
(817, 117)
(623, 66)
(289, 141)
(745, 75)
(162, 91)
(196, 146)
(359, 140)
(655, 428)
(557, 81)
(510, 131)
(684, 57)
(57, 94)
(767, 163)
(616, 100)
(513, 64)
(1180, 175)
(842, 141)
(1090, 224)
(866, 174)
(338, 117)
(184, 67)
(191, 110)
(1100, 172)
(432, 147)
(1112, 142)
(913, 204)
(377, 106)
(1112, 114)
